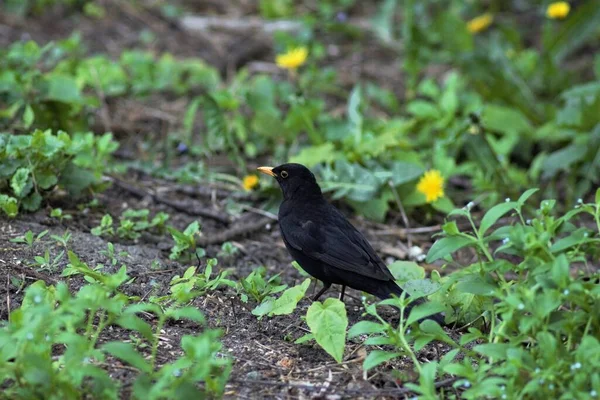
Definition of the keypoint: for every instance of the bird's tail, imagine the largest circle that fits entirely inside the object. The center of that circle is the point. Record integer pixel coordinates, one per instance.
(390, 287)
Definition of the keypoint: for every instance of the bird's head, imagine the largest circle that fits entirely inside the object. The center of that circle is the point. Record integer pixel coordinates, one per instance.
(294, 180)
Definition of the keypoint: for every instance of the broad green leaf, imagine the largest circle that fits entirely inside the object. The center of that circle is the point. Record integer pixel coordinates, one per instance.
(375, 209)
(404, 271)
(417, 288)
(135, 323)
(328, 322)
(447, 246)
(497, 351)
(45, 178)
(126, 352)
(377, 357)
(424, 310)
(285, 304)
(505, 119)
(476, 285)
(433, 328)
(32, 202)
(365, 328)
(76, 179)
(63, 88)
(494, 214)
(576, 238)
(403, 172)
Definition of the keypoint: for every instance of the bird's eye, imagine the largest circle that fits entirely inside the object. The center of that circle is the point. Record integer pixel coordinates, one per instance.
(284, 174)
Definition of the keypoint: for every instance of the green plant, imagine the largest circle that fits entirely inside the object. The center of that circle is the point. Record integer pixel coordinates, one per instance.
(131, 224)
(58, 213)
(62, 240)
(112, 256)
(256, 287)
(192, 284)
(32, 165)
(228, 249)
(105, 227)
(531, 282)
(284, 304)
(185, 243)
(46, 262)
(61, 332)
(29, 238)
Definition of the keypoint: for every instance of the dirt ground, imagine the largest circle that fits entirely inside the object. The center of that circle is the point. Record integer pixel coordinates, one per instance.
(267, 364)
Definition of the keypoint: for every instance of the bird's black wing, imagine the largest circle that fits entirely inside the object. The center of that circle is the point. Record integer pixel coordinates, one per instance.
(337, 243)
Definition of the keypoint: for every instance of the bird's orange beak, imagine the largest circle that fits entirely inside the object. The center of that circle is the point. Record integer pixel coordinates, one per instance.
(267, 170)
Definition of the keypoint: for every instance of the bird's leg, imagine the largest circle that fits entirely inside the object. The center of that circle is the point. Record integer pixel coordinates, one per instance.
(325, 287)
(342, 292)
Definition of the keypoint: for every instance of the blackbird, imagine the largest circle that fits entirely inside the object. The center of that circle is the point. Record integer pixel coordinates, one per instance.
(323, 241)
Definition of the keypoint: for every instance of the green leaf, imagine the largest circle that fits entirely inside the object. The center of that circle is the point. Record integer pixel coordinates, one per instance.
(493, 215)
(28, 116)
(417, 288)
(476, 285)
(313, 155)
(365, 328)
(76, 179)
(9, 205)
(423, 110)
(328, 322)
(45, 179)
(190, 313)
(505, 119)
(19, 181)
(375, 209)
(285, 304)
(32, 202)
(403, 172)
(135, 323)
(126, 352)
(424, 310)
(63, 88)
(377, 357)
(576, 238)
(306, 338)
(447, 246)
(526, 195)
(497, 351)
(404, 271)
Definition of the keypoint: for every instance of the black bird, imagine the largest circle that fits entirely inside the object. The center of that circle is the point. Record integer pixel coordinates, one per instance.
(323, 241)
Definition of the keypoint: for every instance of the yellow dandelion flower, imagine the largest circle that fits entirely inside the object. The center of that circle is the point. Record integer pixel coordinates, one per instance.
(431, 185)
(250, 182)
(558, 10)
(480, 23)
(292, 59)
